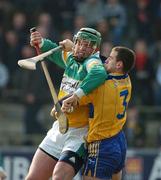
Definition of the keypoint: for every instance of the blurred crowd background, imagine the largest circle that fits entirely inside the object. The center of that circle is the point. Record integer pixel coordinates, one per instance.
(25, 100)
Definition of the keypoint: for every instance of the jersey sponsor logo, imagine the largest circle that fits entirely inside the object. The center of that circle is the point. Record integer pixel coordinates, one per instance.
(69, 85)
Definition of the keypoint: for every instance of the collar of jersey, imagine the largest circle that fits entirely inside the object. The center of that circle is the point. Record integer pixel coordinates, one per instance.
(116, 76)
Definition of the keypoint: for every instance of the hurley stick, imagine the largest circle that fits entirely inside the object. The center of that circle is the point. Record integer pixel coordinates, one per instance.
(63, 121)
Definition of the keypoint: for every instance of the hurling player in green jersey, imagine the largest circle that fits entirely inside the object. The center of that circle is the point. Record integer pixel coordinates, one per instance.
(61, 155)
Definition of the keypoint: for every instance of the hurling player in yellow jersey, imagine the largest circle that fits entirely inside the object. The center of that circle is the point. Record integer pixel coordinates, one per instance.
(108, 104)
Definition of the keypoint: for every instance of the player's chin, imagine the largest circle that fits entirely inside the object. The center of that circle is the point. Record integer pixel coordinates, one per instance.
(108, 69)
(106, 66)
(79, 59)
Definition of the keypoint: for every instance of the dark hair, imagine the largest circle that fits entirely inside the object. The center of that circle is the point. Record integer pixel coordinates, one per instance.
(127, 56)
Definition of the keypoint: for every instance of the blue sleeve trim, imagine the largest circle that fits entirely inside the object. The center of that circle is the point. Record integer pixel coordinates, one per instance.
(91, 110)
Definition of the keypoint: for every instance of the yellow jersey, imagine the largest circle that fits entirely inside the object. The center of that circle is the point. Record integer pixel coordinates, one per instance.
(108, 105)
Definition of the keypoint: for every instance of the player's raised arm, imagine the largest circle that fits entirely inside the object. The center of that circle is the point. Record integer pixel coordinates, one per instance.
(45, 45)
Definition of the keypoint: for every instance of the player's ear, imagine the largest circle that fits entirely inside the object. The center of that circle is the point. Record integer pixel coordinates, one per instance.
(119, 65)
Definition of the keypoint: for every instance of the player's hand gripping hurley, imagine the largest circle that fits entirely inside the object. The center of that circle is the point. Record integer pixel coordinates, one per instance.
(63, 122)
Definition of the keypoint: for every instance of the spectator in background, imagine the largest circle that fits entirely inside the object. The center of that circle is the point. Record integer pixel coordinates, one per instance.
(45, 19)
(103, 27)
(106, 48)
(46, 26)
(91, 10)
(156, 19)
(135, 128)
(67, 34)
(4, 77)
(6, 9)
(143, 20)
(159, 137)
(1, 35)
(155, 52)
(53, 9)
(115, 14)
(67, 13)
(158, 85)
(62, 12)
(143, 74)
(79, 22)
(19, 26)
(10, 56)
(34, 86)
(29, 7)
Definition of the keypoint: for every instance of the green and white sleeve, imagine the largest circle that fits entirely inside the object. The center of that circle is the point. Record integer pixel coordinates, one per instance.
(96, 75)
(56, 57)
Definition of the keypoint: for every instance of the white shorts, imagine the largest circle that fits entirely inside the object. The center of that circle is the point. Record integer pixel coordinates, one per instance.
(55, 143)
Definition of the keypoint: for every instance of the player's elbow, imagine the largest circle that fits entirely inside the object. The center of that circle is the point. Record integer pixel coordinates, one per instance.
(102, 76)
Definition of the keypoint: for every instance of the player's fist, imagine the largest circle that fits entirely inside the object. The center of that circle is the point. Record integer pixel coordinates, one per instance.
(35, 38)
(53, 113)
(67, 45)
(70, 103)
(69, 109)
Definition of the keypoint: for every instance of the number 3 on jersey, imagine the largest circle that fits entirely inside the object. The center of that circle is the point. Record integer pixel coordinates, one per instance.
(124, 94)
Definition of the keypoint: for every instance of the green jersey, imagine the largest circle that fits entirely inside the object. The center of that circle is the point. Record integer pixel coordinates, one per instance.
(80, 78)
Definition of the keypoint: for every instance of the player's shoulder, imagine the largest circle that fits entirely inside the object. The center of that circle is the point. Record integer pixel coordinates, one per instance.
(95, 58)
(94, 61)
